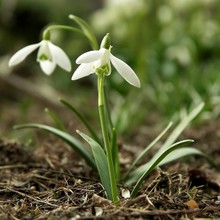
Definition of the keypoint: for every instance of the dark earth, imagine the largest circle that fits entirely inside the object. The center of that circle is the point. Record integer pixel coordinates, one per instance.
(50, 181)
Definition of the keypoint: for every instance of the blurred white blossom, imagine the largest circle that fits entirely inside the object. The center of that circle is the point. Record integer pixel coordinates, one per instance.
(49, 55)
(98, 61)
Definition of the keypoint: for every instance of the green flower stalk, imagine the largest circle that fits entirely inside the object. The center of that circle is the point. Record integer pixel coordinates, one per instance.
(99, 62)
(104, 127)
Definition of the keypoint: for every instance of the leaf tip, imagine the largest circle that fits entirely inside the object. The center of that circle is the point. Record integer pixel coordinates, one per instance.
(15, 127)
(71, 16)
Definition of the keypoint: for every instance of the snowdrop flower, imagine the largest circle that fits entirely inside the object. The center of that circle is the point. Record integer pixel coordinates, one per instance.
(49, 55)
(99, 62)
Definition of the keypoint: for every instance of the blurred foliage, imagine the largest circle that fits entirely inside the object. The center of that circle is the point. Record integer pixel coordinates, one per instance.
(165, 38)
(173, 45)
(22, 22)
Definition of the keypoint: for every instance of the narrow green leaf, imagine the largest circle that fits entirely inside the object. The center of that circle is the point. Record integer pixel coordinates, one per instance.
(183, 152)
(87, 30)
(82, 119)
(178, 153)
(170, 140)
(107, 110)
(70, 140)
(154, 162)
(136, 174)
(146, 150)
(115, 158)
(101, 162)
(181, 126)
(56, 119)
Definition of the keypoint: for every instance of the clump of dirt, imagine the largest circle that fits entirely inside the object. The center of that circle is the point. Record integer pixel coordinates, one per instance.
(52, 182)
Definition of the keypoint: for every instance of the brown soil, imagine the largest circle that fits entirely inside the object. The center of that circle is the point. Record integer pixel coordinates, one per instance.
(50, 181)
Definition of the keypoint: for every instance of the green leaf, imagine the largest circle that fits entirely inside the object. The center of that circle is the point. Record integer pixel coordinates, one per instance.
(56, 119)
(115, 157)
(87, 30)
(107, 111)
(183, 152)
(70, 140)
(82, 119)
(154, 162)
(181, 127)
(146, 150)
(101, 163)
(134, 176)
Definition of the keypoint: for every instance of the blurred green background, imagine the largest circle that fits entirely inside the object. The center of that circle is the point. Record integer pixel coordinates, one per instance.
(173, 46)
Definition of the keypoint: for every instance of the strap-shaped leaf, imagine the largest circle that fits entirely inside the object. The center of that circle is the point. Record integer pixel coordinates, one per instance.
(115, 156)
(146, 150)
(134, 176)
(82, 119)
(184, 152)
(56, 119)
(70, 140)
(181, 127)
(101, 163)
(154, 162)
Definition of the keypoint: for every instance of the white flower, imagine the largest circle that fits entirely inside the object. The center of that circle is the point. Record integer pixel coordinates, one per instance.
(98, 61)
(49, 55)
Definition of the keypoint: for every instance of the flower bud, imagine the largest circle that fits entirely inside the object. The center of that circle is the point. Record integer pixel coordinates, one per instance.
(106, 42)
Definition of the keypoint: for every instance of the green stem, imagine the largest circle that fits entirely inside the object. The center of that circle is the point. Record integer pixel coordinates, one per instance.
(108, 111)
(46, 33)
(104, 127)
(86, 29)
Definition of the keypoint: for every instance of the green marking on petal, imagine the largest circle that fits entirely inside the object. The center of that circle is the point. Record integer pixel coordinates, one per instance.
(104, 69)
(43, 57)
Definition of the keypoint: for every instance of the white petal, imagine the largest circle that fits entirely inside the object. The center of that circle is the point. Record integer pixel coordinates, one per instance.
(47, 66)
(83, 70)
(60, 57)
(125, 71)
(104, 58)
(125, 193)
(89, 57)
(22, 54)
(44, 51)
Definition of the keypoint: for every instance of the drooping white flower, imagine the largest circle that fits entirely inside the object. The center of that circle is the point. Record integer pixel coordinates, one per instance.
(99, 61)
(49, 55)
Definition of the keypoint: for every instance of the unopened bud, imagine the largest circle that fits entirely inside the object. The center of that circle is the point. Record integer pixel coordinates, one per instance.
(106, 42)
